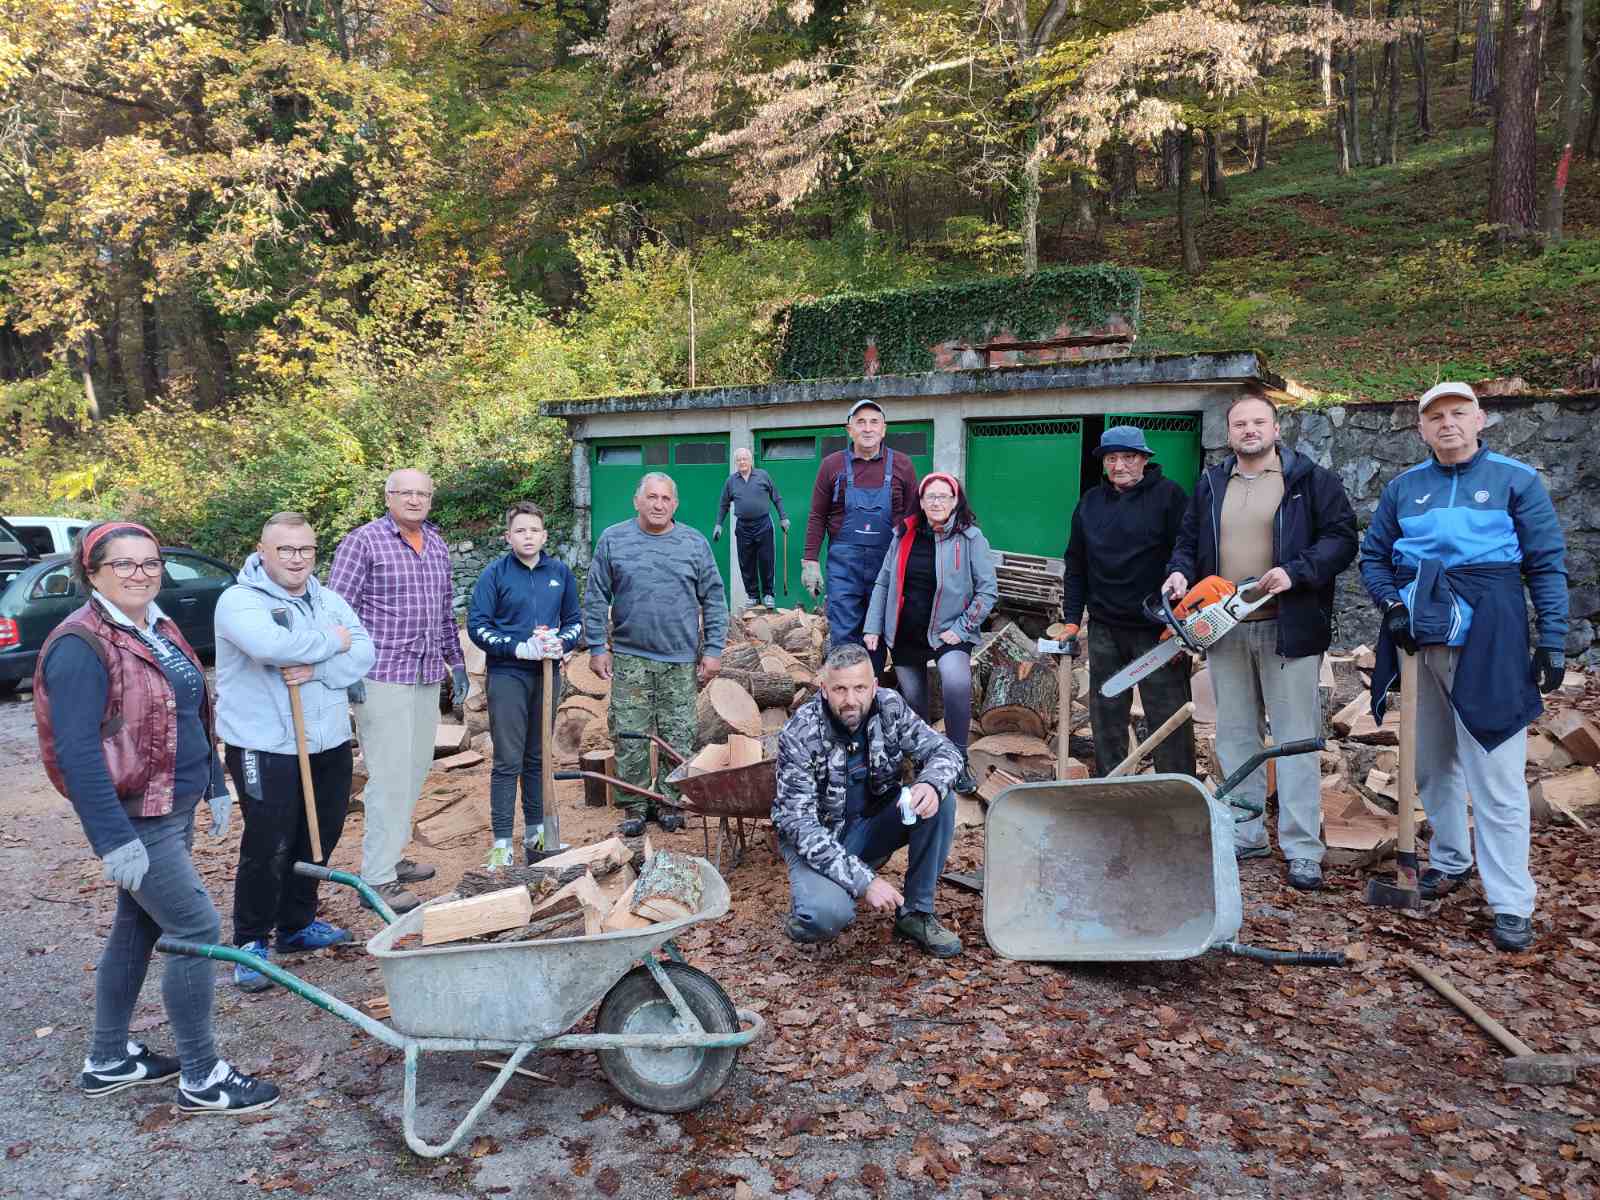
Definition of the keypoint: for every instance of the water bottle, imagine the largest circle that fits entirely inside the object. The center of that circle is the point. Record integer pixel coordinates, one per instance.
(908, 815)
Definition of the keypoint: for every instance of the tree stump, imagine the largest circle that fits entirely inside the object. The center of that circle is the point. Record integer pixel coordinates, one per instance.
(597, 792)
(723, 708)
(1014, 718)
(1015, 677)
(579, 678)
(768, 690)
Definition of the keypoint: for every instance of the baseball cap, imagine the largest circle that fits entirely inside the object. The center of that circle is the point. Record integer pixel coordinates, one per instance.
(860, 404)
(1124, 438)
(1439, 390)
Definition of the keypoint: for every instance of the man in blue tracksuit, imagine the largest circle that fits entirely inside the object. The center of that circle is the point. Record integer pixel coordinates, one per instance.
(524, 609)
(1450, 547)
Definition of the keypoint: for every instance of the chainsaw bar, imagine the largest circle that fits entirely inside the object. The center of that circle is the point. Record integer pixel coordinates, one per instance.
(1146, 664)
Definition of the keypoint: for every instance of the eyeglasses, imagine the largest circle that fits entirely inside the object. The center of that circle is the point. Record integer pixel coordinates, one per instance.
(412, 494)
(294, 553)
(125, 568)
(936, 498)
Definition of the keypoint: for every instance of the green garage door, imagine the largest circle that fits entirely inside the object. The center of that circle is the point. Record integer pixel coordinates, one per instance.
(1175, 441)
(792, 456)
(698, 464)
(1022, 479)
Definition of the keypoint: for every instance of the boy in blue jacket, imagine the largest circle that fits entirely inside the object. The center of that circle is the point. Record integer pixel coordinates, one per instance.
(524, 609)
(1451, 546)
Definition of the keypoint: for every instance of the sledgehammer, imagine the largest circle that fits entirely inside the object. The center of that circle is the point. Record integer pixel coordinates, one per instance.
(1404, 892)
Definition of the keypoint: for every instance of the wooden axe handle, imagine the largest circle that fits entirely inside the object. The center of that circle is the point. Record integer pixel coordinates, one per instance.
(1129, 764)
(306, 790)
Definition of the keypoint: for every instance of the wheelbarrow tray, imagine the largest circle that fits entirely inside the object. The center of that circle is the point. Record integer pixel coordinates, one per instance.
(1109, 870)
(517, 991)
(745, 792)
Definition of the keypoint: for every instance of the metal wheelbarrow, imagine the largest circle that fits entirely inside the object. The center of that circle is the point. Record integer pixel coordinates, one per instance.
(666, 1033)
(1133, 869)
(735, 794)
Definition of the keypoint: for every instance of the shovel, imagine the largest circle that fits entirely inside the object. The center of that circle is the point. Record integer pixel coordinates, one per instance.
(1404, 892)
(281, 617)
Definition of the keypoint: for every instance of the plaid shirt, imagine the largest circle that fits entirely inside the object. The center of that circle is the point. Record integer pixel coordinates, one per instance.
(402, 598)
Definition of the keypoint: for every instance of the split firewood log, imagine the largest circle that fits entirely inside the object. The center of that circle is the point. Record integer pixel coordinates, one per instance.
(1027, 758)
(722, 708)
(578, 677)
(573, 719)
(768, 690)
(671, 878)
(742, 656)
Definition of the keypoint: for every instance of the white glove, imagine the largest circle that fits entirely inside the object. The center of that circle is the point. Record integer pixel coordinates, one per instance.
(529, 649)
(551, 643)
(126, 865)
(811, 576)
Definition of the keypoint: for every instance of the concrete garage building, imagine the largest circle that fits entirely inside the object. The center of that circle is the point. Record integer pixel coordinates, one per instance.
(1011, 410)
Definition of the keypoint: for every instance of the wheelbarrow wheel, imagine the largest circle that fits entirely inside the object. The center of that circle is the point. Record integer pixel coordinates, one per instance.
(667, 1081)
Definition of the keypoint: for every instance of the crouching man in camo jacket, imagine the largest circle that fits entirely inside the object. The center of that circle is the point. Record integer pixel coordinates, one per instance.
(837, 812)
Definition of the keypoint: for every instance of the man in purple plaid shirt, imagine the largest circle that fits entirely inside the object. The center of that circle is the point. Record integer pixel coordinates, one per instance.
(395, 573)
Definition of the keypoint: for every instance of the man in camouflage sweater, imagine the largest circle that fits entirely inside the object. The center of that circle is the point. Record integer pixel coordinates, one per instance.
(840, 764)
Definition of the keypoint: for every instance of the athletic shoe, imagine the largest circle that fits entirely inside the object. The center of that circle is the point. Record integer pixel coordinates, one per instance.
(965, 784)
(140, 1067)
(499, 856)
(394, 894)
(1512, 933)
(634, 826)
(924, 930)
(767, 601)
(669, 821)
(1243, 852)
(228, 1092)
(407, 871)
(248, 979)
(1305, 874)
(1435, 884)
(318, 935)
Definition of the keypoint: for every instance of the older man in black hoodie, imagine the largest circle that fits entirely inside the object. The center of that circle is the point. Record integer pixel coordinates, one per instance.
(1123, 532)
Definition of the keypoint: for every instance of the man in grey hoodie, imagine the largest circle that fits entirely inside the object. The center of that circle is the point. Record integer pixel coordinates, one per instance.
(279, 627)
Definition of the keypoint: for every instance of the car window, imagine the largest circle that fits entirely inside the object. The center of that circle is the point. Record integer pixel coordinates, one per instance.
(54, 583)
(188, 571)
(36, 538)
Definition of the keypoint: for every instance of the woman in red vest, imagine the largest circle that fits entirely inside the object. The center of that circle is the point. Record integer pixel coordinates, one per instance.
(934, 592)
(125, 730)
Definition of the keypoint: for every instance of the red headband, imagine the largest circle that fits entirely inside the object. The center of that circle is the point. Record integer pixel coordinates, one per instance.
(955, 487)
(111, 529)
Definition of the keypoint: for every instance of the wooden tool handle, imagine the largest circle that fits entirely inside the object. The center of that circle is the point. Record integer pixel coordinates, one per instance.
(1127, 765)
(1407, 794)
(1064, 682)
(547, 757)
(1479, 1018)
(307, 792)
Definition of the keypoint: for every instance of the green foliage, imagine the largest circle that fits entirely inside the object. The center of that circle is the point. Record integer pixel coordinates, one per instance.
(828, 337)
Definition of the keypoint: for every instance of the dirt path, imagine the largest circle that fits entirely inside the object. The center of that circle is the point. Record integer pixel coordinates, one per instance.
(884, 1074)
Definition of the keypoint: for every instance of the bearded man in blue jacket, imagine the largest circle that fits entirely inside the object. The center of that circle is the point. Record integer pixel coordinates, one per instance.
(1453, 543)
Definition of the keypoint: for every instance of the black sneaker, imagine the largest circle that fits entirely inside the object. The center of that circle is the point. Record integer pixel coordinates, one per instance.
(1512, 933)
(965, 784)
(669, 820)
(227, 1091)
(139, 1068)
(1435, 884)
(633, 827)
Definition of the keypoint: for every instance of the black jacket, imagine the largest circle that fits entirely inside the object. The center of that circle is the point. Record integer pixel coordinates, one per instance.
(1118, 546)
(1313, 539)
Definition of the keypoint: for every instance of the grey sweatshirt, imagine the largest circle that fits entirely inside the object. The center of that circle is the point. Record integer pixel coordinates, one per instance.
(658, 588)
(750, 497)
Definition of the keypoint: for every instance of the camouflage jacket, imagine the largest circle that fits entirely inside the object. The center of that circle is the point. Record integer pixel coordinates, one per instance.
(809, 809)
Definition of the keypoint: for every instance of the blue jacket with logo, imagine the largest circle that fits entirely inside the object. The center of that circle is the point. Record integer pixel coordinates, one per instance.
(1456, 544)
(510, 600)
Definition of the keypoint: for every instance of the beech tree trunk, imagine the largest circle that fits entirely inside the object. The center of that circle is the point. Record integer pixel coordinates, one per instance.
(1484, 66)
(1391, 111)
(1260, 161)
(1571, 110)
(1352, 99)
(1216, 186)
(1325, 66)
(1186, 233)
(1512, 191)
(1419, 61)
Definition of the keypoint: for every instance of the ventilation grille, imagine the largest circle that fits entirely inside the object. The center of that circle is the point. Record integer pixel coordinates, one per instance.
(1028, 429)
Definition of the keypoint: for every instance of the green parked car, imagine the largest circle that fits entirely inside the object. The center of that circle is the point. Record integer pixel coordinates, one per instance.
(44, 594)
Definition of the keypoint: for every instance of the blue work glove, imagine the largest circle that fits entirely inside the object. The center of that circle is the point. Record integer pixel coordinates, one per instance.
(716, 532)
(1397, 620)
(221, 813)
(458, 685)
(1549, 669)
(126, 865)
(357, 692)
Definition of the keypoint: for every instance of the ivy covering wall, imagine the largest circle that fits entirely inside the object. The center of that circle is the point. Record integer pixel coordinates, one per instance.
(827, 337)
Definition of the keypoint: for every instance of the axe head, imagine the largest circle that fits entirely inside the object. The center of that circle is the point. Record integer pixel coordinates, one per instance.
(1383, 894)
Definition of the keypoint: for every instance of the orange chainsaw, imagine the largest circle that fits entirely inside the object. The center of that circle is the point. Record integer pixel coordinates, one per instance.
(1205, 615)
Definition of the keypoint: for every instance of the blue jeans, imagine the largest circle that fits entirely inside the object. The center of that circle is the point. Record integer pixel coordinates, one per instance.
(821, 908)
(171, 900)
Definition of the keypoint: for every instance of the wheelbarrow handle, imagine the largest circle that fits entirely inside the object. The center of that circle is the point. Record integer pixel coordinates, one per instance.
(1286, 958)
(368, 897)
(614, 782)
(1303, 746)
(635, 736)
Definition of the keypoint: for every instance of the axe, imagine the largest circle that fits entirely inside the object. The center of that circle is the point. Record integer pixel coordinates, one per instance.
(280, 616)
(1405, 891)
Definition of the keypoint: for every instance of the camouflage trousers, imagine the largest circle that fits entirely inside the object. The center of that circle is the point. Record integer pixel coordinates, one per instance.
(650, 697)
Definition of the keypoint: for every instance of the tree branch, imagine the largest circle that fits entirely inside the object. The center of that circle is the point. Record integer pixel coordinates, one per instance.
(922, 73)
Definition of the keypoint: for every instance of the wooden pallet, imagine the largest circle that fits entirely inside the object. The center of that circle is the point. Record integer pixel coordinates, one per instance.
(1029, 580)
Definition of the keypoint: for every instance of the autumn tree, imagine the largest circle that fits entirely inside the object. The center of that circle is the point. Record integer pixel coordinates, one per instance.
(1512, 192)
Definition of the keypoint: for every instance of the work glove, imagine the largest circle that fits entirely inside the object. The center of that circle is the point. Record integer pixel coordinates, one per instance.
(549, 642)
(221, 812)
(1549, 669)
(784, 524)
(458, 685)
(528, 650)
(1397, 620)
(126, 865)
(357, 692)
(716, 532)
(811, 577)
(1069, 641)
